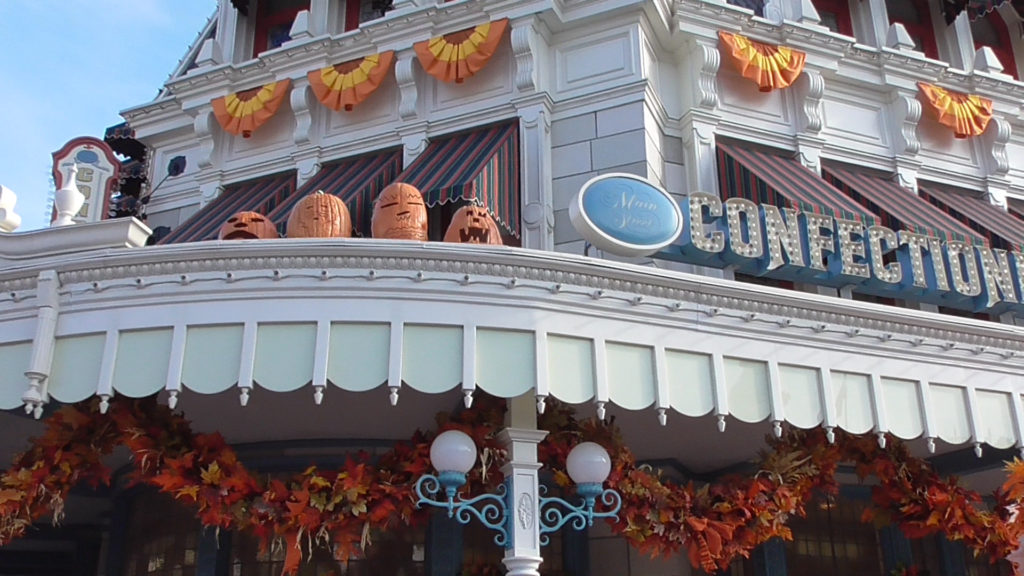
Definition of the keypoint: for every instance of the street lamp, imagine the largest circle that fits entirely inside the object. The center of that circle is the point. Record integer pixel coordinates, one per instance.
(453, 454)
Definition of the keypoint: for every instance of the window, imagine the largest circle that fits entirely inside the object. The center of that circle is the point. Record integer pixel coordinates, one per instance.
(917, 19)
(274, 20)
(756, 5)
(835, 15)
(833, 540)
(361, 11)
(162, 537)
(930, 553)
(991, 30)
(396, 551)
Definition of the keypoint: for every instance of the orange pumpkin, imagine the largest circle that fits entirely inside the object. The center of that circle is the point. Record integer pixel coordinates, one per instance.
(473, 225)
(399, 213)
(248, 226)
(320, 215)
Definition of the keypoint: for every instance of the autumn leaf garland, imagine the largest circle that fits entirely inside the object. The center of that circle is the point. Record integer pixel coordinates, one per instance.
(715, 523)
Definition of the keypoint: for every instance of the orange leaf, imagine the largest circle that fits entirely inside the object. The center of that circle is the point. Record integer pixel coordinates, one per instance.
(292, 554)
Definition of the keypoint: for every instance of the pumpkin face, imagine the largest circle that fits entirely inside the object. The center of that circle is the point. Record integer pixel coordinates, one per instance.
(320, 215)
(399, 213)
(248, 226)
(473, 225)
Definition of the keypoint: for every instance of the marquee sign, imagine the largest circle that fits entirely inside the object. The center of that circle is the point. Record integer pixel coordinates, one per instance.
(766, 240)
(98, 171)
(625, 214)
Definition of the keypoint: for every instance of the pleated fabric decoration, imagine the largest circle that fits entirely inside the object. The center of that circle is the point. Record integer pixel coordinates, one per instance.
(768, 65)
(243, 112)
(345, 85)
(967, 114)
(459, 55)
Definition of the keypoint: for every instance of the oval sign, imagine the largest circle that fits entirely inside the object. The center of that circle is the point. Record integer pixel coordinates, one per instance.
(626, 215)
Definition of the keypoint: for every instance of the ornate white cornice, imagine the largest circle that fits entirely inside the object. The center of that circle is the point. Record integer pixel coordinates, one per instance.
(630, 289)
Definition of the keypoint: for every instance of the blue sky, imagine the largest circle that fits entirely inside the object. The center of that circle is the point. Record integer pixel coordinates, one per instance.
(67, 67)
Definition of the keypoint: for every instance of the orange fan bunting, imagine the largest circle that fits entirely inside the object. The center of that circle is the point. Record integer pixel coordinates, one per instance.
(966, 114)
(768, 65)
(243, 112)
(457, 56)
(345, 85)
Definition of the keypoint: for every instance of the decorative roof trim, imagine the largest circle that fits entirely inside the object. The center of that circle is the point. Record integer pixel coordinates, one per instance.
(662, 290)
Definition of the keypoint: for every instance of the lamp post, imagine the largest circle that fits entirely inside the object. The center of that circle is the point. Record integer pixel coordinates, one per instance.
(518, 512)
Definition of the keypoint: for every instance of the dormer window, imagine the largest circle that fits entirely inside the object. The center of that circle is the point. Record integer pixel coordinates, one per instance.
(274, 20)
(991, 30)
(917, 19)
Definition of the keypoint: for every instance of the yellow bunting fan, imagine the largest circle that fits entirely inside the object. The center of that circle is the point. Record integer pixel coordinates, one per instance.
(966, 114)
(459, 55)
(345, 85)
(243, 112)
(770, 66)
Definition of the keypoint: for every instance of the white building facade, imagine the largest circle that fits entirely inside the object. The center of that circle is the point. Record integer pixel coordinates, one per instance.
(309, 348)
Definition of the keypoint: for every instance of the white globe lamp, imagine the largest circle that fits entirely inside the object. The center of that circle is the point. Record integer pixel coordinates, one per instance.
(588, 465)
(453, 454)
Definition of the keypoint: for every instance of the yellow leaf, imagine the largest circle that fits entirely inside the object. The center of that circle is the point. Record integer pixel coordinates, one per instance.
(211, 475)
(11, 496)
(319, 482)
(192, 491)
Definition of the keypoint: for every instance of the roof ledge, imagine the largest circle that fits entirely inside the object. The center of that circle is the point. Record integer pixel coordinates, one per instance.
(70, 240)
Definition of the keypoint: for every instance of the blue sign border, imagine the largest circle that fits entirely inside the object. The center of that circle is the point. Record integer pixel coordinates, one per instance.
(593, 233)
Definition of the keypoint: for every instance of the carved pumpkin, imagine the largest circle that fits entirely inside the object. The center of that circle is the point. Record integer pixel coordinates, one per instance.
(248, 226)
(320, 215)
(473, 225)
(399, 213)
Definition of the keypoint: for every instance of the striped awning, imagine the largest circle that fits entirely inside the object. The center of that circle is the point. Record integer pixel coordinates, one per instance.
(998, 226)
(480, 165)
(357, 181)
(898, 208)
(975, 8)
(260, 195)
(767, 178)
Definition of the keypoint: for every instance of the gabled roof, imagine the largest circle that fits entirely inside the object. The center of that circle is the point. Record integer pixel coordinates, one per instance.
(189, 59)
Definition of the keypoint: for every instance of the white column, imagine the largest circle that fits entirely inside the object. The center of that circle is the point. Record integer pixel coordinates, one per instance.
(699, 146)
(523, 557)
(538, 218)
(906, 114)
(994, 141)
(956, 38)
(43, 343)
(302, 107)
(701, 121)
(871, 21)
(405, 76)
(809, 142)
(227, 25)
(319, 14)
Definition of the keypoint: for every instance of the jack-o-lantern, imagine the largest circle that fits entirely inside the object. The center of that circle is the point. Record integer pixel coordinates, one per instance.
(399, 213)
(320, 215)
(248, 226)
(473, 225)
